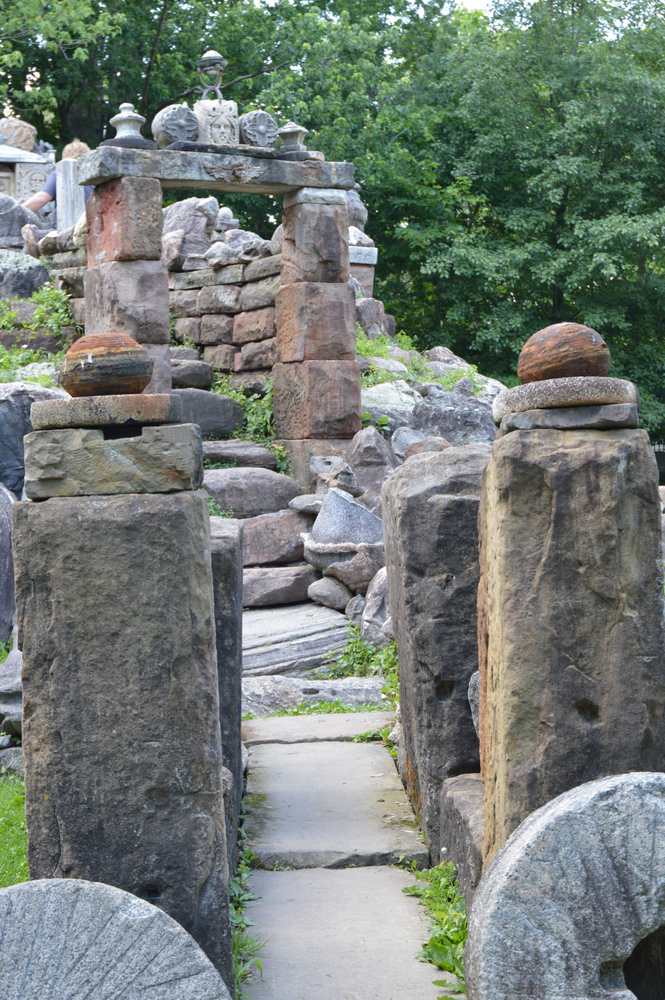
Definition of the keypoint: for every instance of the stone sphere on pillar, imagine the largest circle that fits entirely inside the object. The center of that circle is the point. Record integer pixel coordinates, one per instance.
(105, 364)
(563, 350)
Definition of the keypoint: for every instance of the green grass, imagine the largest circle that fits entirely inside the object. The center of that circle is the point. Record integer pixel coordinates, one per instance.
(246, 946)
(439, 892)
(13, 835)
(325, 708)
(361, 659)
(52, 314)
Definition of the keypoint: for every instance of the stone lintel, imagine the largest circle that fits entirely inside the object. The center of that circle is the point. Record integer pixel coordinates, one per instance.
(212, 171)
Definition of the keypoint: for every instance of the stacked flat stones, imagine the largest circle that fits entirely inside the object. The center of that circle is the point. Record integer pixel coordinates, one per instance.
(110, 437)
(563, 370)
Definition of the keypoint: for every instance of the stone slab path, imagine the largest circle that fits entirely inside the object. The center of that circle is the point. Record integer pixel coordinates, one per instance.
(313, 728)
(293, 638)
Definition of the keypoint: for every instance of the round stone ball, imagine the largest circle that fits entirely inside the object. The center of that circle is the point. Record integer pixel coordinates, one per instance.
(563, 350)
(105, 364)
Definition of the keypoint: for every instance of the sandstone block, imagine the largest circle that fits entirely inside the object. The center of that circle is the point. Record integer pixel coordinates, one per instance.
(274, 538)
(430, 520)
(364, 274)
(220, 357)
(570, 539)
(128, 297)
(231, 275)
(316, 321)
(106, 411)
(259, 294)
(244, 492)
(315, 196)
(16, 399)
(462, 819)
(316, 243)
(219, 299)
(367, 256)
(260, 355)
(568, 418)
(263, 268)
(124, 220)
(185, 303)
(113, 795)
(216, 329)
(188, 328)
(243, 453)
(577, 391)
(188, 374)
(270, 585)
(317, 399)
(79, 462)
(259, 324)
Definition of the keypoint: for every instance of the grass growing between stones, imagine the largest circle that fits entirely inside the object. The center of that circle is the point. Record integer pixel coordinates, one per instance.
(360, 659)
(246, 947)
(439, 892)
(13, 834)
(325, 708)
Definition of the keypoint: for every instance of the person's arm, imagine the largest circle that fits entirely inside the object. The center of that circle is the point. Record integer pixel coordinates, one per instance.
(38, 201)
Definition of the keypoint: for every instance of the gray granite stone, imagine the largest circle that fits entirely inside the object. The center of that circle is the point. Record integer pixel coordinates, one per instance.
(612, 416)
(462, 819)
(215, 414)
(343, 519)
(564, 392)
(248, 492)
(266, 586)
(329, 592)
(63, 939)
(570, 895)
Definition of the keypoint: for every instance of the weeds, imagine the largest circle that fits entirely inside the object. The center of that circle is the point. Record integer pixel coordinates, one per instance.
(13, 835)
(378, 736)
(259, 424)
(325, 708)
(360, 659)
(216, 510)
(5, 649)
(417, 370)
(246, 947)
(438, 891)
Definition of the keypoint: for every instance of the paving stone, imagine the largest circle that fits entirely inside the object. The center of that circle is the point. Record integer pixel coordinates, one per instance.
(292, 639)
(124, 220)
(556, 392)
(322, 805)
(314, 728)
(258, 324)
(367, 932)
(67, 938)
(266, 586)
(128, 297)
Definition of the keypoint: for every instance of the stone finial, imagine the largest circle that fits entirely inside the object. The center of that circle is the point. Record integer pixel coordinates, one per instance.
(127, 122)
(258, 128)
(211, 64)
(175, 123)
(292, 137)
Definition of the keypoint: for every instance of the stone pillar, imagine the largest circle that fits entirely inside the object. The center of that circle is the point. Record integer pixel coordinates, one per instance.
(126, 283)
(430, 525)
(121, 733)
(69, 195)
(570, 618)
(317, 380)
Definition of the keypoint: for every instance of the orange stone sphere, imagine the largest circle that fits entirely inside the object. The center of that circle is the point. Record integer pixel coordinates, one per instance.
(563, 350)
(105, 364)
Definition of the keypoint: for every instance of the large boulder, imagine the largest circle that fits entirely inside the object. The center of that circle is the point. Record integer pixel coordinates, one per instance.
(430, 518)
(16, 399)
(249, 492)
(376, 611)
(196, 216)
(457, 418)
(394, 401)
(372, 459)
(215, 414)
(13, 216)
(20, 275)
(266, 586)
(342, 520)
(7, 606)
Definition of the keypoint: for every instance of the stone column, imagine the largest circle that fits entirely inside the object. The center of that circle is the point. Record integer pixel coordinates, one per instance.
(570, 617)
(126, 283)
(317, 380)
(69, 196)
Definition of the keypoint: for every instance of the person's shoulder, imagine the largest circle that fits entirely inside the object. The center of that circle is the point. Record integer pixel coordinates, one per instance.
(49, 185)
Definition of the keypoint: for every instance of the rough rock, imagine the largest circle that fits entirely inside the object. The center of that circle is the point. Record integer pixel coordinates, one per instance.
(376, 611)
(294, 640)
(248, 492)
(343, 519)
(20, 275)
(13, 216)
(11, 696)
(354, 563)
(12, 759)
(324, 463)
(372, 460)
(184, 354)
(260, 294)
(354, 609)
(129, 793)
(570, 540)
(462, 819)
(454, 417)
(7, 606)
(80, 462)
(316, 243)
(193, 215)
(342, 477)
(274, 538)
(276, 240)
(259, 324)
(265, 695)
(188, 374)
(429, 444)
(226, 540)
(568, 418)
(244, 453)
(124, 220)
(16, 399)
(220, 357)
(128, 297)
(330, 593)
(76, 937)
(308, 503)
(556, 392)
(474, 700)
(430, 517)
(356, 209)
(531, 936)
(563, 350)
(395, 395)
(264, 586)
(315, 321)
(403, 437)
(15, 132)
(213, 413)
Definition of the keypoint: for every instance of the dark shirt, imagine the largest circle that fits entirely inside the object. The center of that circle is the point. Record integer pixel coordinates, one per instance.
(49, 188)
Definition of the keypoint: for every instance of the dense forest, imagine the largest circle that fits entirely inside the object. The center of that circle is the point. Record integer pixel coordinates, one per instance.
(513, 164)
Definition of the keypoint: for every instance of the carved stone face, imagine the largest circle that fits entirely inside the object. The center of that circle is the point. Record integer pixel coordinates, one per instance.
(258, 128)
(218, 121)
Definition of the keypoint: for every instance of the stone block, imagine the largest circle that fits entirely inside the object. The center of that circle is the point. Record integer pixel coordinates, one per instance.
(185, 303)
(271, 585)
(79, 462)
(570, 418)
(364, 274)
(189, 374)
(226, 540)
(124, 221)
(251, 383)
(105, 411)
(123, 765)
(70, 280)
(260, 355)
(263, 268)
(259, 324)
(216, 329)
(316, 243)
(77, 308)
(572, 905)
(244, 453)
(39, 340)
(259, 294)
(316, 321)
(579, 390)
(315, 196)
(188, 328)
(128, 297)
(220, 357)
(275, 538)
(430, 522)
(462, 819)
(218, 299)
(230, 275)
(248, 492)
(369, 312)
(160, 380)
(16, 399)
(215, 414)
(7, 605)
(365, 256)
(317, 399)
(300, 453)
(570, 602)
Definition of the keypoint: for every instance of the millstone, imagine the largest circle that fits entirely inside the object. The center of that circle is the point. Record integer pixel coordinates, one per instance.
(556, 392)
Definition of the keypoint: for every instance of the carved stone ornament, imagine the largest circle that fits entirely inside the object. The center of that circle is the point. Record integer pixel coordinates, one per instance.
(176, 123)
(218, 121)
(258, 128)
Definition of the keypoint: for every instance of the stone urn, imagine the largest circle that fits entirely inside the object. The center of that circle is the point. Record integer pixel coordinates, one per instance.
(105, 364)
(564, 350)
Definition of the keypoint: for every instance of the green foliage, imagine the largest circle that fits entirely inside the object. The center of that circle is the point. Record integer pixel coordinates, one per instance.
(360, 659)
(325, 708)
(246, 947)
(5, 649)
(52, 314)
(378, 736)
(259, 421)
(216, 510)
(13, 835)
(439, 892)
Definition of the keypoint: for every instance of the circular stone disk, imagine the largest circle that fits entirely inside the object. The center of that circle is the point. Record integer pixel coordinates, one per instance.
(106, 411)
(563, 392)
(563, 350)
(63, 939)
